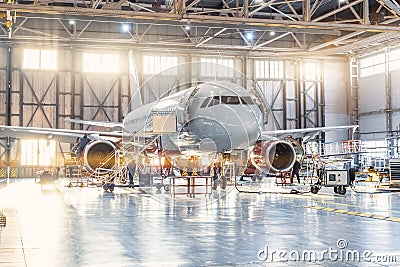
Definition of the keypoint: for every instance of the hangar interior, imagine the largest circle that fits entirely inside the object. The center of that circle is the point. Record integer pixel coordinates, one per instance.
(306, 63)
(315, 63)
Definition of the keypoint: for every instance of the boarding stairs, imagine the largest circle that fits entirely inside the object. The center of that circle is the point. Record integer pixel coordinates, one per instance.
(75, 172)
(394, 167)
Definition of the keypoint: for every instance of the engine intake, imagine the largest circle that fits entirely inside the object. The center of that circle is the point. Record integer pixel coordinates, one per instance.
(273, 156)
(99, 156)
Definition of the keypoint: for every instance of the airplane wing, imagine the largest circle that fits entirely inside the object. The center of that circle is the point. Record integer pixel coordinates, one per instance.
(106, 124)
(61, 135)
(307, 132)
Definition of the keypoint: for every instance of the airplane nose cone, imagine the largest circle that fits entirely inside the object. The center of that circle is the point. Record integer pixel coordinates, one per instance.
(234, 128)
(243, 126)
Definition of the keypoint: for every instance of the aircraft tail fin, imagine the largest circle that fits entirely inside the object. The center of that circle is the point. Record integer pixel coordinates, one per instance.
(136, 100)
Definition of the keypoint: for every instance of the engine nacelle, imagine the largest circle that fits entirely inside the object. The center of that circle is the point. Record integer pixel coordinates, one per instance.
(297, 148)
(99, 156)
(273, 156)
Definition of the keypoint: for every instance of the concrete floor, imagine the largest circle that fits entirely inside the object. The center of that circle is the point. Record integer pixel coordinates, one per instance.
(86, 227)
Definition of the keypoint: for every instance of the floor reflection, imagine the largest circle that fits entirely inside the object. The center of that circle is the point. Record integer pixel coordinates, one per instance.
(86, 227)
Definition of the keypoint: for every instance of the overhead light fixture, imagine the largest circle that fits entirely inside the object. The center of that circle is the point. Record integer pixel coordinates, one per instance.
(187, 27)
(272, 33)
(249, 36)
(125, 27)
(71, 22)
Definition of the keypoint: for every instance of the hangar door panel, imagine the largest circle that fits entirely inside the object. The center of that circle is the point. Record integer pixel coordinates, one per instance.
(155, 87)
(372, 93)
(65, 99)
(101, 97)
(396, 121)
(395, 79)
(371, 127)
(273, 94)
(3, 96)
(39, 94)
(335, 87)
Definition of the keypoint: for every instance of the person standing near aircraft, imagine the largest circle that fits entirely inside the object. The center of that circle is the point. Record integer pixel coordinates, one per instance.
(82, 143)
(295, 171)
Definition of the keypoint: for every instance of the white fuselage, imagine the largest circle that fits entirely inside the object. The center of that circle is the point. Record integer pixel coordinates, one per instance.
(221, 115)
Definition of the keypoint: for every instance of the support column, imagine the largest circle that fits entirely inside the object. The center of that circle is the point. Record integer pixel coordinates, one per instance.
(389, 113)
(366, 12)
(9, 87)
(245, 8)
(57, 118)
(8, 108)
(354, 98)
(298, 85)
(284, 98)
(73, 86)
(306, 10)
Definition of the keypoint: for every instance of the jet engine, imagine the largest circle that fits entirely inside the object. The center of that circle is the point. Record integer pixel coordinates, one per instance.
(271, 156)
(297, 148)
(99, 156)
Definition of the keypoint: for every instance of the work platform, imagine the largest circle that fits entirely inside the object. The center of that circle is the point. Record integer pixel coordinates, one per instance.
(87, 227)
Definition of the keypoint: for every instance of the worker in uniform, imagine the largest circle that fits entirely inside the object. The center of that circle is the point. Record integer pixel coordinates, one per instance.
(295, 171)
(352, 175)
(318, 166)
(82, 143)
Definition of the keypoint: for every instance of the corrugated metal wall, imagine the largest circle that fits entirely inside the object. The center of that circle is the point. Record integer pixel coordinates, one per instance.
(336, 84)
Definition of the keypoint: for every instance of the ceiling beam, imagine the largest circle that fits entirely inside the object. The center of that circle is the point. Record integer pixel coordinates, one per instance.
(335, 11)
(270, 41)
(165, 18)
(209, 38)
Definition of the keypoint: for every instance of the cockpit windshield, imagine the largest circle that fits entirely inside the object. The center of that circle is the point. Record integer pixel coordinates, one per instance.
(229, 100)
(247, 100)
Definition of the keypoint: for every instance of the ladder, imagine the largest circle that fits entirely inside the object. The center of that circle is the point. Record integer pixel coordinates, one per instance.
(394, 167)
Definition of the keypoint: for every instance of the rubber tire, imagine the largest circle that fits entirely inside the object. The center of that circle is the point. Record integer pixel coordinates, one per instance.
(341, 189)
(314, 189)
(167, 187)
(335, 189)
(223, 182)
(159, 186)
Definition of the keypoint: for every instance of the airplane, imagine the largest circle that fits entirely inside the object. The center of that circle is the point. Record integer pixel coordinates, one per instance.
(209, 118)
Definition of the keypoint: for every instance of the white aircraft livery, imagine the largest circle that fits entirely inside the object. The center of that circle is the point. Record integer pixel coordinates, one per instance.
(211, 117)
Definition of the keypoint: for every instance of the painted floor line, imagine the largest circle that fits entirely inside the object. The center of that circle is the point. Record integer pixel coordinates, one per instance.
(355, 213)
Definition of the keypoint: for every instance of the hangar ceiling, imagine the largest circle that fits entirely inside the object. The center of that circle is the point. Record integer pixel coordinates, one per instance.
(252, 27)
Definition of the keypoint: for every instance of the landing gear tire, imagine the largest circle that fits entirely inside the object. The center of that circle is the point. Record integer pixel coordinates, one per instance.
(335, 189)
(167, 187)
(158, 186)
(341, 189)
(314, 189)
(223, 182)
